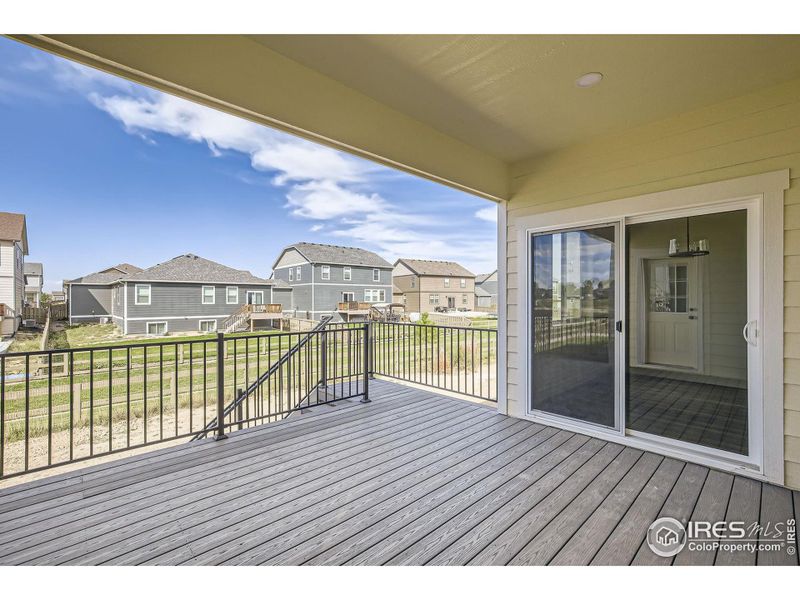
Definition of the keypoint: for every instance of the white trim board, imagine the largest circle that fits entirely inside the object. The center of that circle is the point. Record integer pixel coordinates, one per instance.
(763, 194)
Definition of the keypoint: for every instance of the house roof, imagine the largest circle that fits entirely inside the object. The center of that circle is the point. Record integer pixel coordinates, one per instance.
(441, 268)
(479, 291)
(337, 255)
(32, 268)
(193, 268)
(13, 227)
(396, 289)
(481, 277)
(109, 275)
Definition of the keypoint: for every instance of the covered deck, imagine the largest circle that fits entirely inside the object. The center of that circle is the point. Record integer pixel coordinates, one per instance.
(414, 477)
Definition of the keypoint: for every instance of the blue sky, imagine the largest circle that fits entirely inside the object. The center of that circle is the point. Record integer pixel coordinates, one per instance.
(108, 171)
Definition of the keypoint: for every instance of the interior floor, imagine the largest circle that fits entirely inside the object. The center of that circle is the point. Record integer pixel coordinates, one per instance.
(699, 413)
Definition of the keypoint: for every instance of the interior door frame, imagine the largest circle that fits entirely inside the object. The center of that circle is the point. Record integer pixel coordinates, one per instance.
(763, 195)
(641, 312)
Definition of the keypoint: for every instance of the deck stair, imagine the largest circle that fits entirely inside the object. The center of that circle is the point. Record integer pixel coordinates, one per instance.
(279, 364)
(244, 318)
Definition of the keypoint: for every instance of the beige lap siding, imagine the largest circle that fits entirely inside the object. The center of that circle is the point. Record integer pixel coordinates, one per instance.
(747, 135)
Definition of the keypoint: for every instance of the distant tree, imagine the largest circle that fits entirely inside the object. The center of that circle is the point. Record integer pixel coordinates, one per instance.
(46, 299)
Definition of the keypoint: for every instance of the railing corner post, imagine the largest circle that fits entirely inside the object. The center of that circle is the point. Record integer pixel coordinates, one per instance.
(367, 367)
(220, 435)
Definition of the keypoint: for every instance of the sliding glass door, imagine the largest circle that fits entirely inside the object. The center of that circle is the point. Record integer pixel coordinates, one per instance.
(573, 316)
(688, 344)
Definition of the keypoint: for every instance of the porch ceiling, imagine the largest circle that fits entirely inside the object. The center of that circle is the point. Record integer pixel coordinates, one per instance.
(457, 109)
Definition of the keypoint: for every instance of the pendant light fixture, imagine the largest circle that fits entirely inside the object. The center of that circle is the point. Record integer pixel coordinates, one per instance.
(699, 248)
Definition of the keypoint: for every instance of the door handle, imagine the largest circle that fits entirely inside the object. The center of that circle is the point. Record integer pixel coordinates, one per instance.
(746, 333)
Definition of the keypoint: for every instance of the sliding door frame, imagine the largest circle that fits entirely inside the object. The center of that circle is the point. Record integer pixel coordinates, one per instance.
(763, 196)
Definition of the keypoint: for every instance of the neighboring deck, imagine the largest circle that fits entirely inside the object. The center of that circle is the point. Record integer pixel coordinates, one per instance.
(412, 478)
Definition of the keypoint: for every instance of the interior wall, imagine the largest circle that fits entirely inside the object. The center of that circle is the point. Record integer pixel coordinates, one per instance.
(722, 283)
(747, 135)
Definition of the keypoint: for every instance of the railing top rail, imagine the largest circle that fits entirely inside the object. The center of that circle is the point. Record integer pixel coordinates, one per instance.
(435, 326)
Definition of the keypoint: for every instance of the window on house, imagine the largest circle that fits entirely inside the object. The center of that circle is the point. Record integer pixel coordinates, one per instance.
(463, 283)
(291, 274)
(208, 325)
(413, 281)
(142, 294)
(446, 282)
(326, 272)
(347, 274)
(156, 328)
(208, 294)
(232, 294)
(348, 297)
(433, 299)
(298, 273)
(463, 298)
(376, 274)
(374, 295)
(404, 299)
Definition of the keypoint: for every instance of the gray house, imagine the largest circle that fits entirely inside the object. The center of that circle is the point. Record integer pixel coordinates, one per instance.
(89, 298)
(486, 291)
(185, 294)
(333, 280)
(34, 275)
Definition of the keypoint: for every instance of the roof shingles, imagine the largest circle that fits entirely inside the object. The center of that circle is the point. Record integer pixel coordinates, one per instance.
(193, 268)
(438, 268)
(339, 255)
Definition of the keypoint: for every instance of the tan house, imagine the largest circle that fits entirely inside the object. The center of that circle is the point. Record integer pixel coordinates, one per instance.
(430, 285)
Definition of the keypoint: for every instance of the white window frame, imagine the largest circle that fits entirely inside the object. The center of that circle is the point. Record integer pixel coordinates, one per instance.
(463, 283)
(200, 325)
(254, 292)
(298, 273)
(375, 295)
(376, 275)
(142, 286)
(463, 298)
(203, 289)
(148, 323)
(347, 274)
(348, 296)
(228, 290)
(433, 299)
(447, 282)
(291, 274)
(413, 281)
(325, 272)
(763, 195)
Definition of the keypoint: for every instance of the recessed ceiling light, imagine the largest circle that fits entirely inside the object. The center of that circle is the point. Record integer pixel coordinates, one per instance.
(588, 79)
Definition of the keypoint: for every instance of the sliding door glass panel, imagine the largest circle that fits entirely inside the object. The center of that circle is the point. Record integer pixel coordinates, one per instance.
(573, 349)
(686, 372)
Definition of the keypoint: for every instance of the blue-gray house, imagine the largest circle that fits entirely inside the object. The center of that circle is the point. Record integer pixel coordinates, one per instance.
(333, 280)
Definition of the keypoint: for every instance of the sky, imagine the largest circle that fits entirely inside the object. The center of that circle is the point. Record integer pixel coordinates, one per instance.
(109, 171)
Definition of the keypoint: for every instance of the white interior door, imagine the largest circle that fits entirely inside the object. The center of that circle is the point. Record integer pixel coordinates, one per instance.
(673, 309)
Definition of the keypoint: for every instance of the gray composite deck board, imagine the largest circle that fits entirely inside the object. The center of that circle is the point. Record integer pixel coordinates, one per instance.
(415, 477)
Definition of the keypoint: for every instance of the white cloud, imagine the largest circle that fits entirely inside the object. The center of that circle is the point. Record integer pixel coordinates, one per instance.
(488, 213)
(322, 184)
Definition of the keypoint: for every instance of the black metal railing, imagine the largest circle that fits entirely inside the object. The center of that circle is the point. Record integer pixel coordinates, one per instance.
(585, 336)
(61, 406)
(457, 359)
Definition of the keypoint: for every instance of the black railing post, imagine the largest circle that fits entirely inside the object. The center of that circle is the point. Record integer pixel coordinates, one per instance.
(367, 366)
(322, 350)
(220, 387)
(239, 410)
